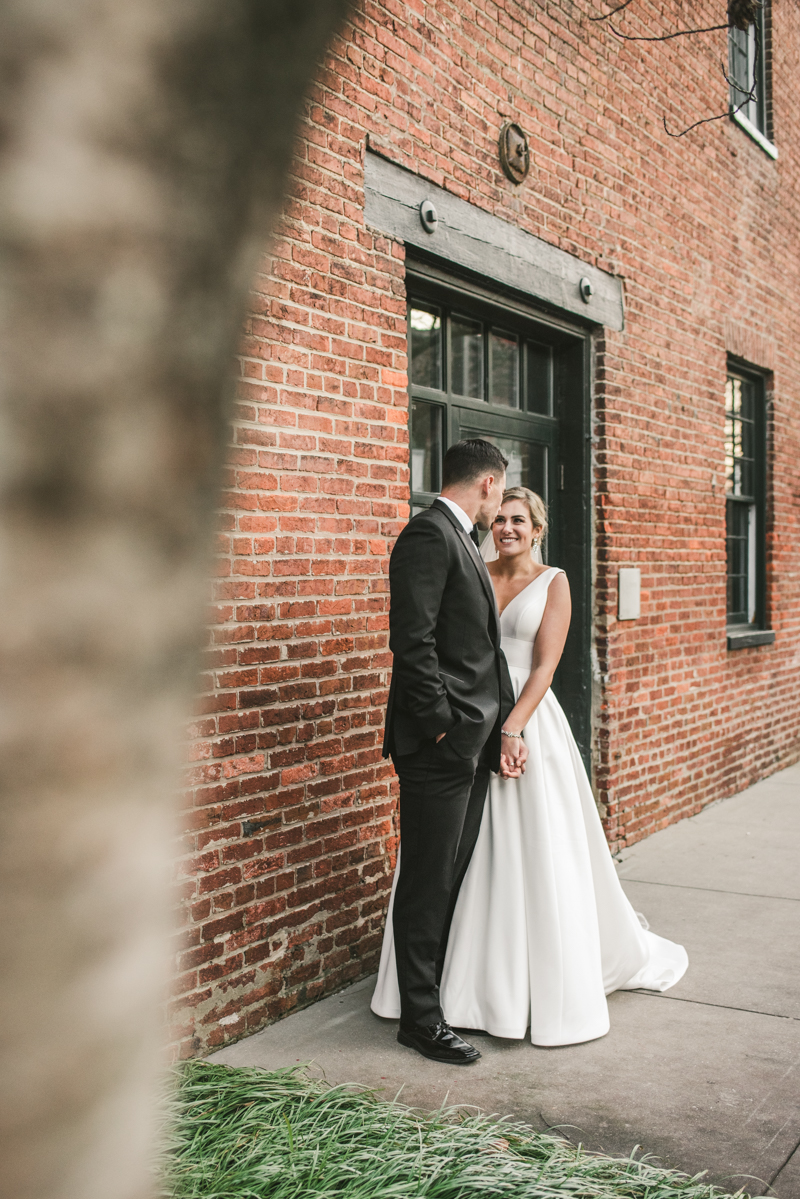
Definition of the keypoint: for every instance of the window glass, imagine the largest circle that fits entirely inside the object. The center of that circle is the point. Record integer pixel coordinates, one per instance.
(738, 60)
(739, 437)
(539, 379)
(426, 446)
(739, 539)
(746, 72)
(466, 357)
(425, 335)
(504, 368)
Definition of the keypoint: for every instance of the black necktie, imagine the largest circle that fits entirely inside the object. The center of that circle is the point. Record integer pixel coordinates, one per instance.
(474, 536)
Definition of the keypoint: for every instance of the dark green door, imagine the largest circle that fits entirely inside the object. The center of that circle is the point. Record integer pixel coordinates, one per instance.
(482, 367)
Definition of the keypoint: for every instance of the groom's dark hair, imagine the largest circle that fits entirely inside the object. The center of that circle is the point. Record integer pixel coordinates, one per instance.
(469, 460)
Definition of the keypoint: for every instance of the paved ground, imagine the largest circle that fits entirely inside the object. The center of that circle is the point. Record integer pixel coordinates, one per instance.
(704, 1077)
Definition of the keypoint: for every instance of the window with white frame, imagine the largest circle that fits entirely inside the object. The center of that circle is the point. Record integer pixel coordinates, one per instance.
(748, 75)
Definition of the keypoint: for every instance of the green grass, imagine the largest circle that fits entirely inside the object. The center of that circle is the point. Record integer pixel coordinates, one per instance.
(249, 1134)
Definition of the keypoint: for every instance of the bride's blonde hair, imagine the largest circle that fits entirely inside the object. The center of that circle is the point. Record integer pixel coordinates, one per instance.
(534, 503)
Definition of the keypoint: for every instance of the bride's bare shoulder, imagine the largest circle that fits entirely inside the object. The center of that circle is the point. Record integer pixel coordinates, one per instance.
(558, 592)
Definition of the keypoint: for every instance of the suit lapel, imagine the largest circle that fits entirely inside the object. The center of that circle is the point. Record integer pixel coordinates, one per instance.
(475, 557)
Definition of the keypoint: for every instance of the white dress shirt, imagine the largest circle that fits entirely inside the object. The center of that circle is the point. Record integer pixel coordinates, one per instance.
(463, 519)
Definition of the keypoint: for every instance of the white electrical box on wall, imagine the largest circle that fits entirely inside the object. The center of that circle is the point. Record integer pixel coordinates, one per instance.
(629, 593)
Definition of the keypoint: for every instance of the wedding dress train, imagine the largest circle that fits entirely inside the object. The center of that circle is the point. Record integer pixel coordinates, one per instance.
(542, 930)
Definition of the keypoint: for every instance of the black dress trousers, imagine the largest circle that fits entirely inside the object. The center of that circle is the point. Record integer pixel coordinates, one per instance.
(441, 803)
(449, 676)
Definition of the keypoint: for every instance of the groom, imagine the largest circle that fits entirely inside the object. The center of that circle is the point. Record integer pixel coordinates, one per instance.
(449, 696)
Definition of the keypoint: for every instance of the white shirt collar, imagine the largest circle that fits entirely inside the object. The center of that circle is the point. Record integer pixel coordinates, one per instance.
(463, 519)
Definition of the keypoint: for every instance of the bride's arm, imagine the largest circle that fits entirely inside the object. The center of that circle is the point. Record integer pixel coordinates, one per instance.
(547, 651)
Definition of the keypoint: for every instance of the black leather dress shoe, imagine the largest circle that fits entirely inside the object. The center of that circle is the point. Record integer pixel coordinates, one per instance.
(439, 1043)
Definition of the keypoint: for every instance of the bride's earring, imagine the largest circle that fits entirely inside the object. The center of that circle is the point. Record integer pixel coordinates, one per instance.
(535, 545)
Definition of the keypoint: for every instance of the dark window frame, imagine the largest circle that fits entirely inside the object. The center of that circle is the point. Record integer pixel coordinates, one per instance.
(743, 633)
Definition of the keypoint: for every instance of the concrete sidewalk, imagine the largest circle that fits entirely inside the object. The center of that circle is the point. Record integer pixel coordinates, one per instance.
(704, 1077)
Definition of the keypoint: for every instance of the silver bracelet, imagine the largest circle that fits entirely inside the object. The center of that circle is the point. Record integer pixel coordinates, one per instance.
(516, 736)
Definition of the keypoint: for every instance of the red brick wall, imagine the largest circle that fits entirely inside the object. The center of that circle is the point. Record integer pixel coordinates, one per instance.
(703, 230)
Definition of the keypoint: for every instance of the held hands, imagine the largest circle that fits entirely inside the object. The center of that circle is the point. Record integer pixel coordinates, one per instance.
(513, 755)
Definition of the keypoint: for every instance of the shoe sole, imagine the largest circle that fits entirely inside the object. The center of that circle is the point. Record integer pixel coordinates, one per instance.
(435, 1057)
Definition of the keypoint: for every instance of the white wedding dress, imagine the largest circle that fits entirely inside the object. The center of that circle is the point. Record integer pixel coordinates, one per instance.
(542, 929)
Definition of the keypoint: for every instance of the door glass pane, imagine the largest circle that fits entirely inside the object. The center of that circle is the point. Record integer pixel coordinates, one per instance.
(426, 446)
(539, 379)
(466, 357)
(527, 460)
(425, 336)
(527, 464)
(504, 368)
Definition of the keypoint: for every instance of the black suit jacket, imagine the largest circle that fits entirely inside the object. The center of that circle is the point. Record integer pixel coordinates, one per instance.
(450, 675)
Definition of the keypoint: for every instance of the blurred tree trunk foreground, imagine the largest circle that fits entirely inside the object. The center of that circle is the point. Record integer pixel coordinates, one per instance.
(143, 151)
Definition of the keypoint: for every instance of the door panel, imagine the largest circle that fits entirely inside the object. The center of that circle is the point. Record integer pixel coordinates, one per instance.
(483, 368)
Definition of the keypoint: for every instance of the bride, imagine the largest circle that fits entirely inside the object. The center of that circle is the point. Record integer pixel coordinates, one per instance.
(542, 930)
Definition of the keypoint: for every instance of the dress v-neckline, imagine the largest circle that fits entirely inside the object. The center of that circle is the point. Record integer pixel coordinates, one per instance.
(524, 589)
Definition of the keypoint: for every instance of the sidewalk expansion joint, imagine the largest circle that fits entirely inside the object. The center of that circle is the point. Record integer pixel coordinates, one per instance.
(784, 1164)
(726, 1007)
(715, 890)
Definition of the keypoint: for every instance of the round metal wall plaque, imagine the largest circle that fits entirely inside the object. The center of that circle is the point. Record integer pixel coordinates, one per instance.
(515, 155)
